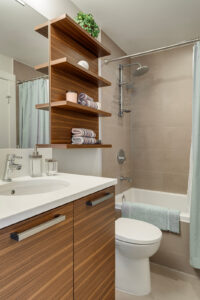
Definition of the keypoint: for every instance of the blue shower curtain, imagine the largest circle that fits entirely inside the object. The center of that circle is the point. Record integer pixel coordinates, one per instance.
(195, 189)
(33, 123)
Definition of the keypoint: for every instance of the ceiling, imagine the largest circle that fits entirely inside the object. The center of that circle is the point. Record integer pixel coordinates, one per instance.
(140, 25)
(17, 36)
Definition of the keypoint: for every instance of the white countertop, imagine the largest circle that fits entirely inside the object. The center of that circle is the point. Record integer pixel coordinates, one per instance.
(20, 207)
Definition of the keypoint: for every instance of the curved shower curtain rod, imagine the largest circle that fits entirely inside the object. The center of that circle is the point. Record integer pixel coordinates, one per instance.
(184, 43)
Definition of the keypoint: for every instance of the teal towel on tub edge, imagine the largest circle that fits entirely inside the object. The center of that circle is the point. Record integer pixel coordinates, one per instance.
(162, 217)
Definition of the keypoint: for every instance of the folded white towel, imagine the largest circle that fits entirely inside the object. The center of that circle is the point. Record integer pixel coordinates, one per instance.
(79, 132)
(83, 140)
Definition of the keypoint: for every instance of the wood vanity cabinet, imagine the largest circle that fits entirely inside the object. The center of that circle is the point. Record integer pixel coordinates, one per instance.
(40, 266)
(94, 246)
(65, 253)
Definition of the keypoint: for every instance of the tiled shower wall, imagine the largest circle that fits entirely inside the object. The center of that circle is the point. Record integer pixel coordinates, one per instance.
(161, 121)
(115, 130)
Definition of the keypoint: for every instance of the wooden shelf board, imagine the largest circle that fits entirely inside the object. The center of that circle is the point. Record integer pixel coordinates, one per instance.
(44, 106)
(43, 68)
(67, 105)
(42, 29)
(65, 65)
(72, 146)
(75, 31)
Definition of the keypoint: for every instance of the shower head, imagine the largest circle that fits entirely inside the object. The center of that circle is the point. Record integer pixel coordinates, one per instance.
(141, 70)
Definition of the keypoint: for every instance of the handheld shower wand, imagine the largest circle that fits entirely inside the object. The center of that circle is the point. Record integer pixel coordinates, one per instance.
(140, 70)
(121, 83)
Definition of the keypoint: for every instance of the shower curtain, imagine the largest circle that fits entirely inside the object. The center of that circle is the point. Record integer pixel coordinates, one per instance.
(195, 164)
(33, 123)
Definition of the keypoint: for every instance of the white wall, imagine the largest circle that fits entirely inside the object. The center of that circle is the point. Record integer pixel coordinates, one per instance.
(53, 8)
(6, 64)
(83, 161)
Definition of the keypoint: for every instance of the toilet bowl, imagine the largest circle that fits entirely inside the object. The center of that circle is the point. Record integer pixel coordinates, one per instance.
(135, 242)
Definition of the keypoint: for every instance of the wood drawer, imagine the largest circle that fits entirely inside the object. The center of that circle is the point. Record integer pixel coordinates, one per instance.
(94, 247)
(40, 266)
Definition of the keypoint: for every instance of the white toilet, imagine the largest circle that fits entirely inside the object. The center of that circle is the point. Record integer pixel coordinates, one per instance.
(135, 242)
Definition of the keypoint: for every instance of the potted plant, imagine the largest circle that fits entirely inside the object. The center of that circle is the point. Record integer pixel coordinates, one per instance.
(87, 22)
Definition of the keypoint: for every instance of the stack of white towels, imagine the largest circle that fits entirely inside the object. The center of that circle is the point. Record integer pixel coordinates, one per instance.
(86, 100)
(83, 136)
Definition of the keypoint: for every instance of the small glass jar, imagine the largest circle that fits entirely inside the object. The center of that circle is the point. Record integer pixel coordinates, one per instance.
(51, 167)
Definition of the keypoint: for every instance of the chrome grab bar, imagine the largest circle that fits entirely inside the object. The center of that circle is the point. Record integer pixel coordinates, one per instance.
(100, 200)
(32, 231)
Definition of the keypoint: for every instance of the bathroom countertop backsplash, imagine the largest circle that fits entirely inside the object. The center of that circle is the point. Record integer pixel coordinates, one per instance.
(25, 161)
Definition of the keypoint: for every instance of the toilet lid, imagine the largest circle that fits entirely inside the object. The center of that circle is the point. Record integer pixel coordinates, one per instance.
(136, 232)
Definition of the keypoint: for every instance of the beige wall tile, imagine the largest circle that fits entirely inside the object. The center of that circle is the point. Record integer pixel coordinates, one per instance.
(177, 160)
(174, 251)
(147, 180)
(175, 183)
(149, 160)
(161, 121)
(177, 137)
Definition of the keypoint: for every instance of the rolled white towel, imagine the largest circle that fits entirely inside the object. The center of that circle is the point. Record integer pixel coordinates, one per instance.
(83, 96)
(86, 100)
(79, 132)
(88, 103)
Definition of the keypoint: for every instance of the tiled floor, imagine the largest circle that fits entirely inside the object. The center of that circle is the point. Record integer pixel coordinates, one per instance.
(168, 285)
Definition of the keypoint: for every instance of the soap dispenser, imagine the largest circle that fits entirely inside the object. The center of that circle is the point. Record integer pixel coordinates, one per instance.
(36, 163)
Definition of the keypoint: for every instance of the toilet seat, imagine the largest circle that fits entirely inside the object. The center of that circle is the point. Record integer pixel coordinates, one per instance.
(136, 232)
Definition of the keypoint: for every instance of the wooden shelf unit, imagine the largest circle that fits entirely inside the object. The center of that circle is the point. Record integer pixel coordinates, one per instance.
(74, 107)
(68, 44)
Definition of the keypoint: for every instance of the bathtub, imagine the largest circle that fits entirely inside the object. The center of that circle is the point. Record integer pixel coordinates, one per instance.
(169, 200)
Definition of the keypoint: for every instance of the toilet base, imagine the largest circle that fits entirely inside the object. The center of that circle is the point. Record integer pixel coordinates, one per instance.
(132, 275)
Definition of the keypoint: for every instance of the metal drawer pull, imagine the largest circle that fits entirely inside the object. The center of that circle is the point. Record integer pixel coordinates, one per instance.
(27, 233)
(100, 200)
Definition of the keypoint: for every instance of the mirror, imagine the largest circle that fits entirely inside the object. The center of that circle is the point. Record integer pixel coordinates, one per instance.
(21, 87)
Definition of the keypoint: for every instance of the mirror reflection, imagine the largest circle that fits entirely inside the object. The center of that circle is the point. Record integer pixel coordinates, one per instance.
(22, 88)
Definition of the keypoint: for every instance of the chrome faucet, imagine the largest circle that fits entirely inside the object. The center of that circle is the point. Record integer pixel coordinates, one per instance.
(10, 166)
(123, 178)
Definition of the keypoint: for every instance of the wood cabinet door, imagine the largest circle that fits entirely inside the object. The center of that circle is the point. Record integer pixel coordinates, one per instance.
(39, 266)
(94, 246)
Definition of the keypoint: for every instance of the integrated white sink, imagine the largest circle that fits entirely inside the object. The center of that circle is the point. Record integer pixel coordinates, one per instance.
(32, 187)
(26, 196)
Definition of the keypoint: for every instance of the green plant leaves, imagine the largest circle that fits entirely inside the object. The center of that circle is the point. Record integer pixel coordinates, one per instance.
(87, 22)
